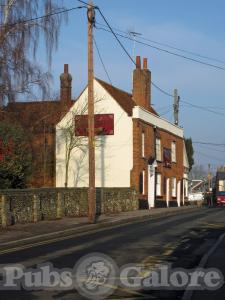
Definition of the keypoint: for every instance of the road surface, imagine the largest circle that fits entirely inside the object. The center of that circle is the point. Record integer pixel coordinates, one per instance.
(181, 240)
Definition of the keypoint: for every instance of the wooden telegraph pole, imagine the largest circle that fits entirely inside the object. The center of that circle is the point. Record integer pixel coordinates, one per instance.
(176, 107)
(91, 129)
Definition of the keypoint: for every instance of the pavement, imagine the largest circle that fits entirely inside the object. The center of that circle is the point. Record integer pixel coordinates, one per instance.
(26, 233)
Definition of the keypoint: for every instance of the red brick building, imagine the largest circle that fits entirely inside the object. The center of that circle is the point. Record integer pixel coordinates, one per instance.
(39, 119)
(153, 161)
(153, 158)
(156, 147)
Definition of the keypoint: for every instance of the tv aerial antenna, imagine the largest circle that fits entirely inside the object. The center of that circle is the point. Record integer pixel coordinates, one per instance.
(134, 35)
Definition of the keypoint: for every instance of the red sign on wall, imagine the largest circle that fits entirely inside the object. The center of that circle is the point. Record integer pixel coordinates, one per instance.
(167, 157)
(104, 124)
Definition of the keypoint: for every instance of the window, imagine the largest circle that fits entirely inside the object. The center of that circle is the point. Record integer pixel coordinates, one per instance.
(142, 183)
(143, 144)
(167, 157)
(158, 150)
(164, 185)
(221, 185)
(143, 172)
(174, 187)
(173, 149)
(158, 185)
(185, 188)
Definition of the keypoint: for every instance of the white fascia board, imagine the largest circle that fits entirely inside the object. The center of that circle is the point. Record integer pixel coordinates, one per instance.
(146, 116)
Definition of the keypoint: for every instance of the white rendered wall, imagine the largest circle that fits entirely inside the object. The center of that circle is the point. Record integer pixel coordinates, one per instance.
(114, 153)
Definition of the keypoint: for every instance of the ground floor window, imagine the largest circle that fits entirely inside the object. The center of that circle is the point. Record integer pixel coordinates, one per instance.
(142, 182)
(174, 187)
(185, 188)
(158, 185)
(164, 185)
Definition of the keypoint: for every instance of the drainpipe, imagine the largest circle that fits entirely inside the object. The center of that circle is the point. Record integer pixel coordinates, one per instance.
(155, 128)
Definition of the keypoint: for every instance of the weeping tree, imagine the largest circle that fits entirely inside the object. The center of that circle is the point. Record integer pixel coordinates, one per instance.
(21, 30)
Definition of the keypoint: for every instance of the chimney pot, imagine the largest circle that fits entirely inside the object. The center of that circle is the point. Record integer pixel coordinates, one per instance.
(145, 63)
(142, 84)
(66, 68)
(65, 85)
(138, 62)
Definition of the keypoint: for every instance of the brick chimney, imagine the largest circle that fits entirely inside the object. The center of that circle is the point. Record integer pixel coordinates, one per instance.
(65, 85)
(142, 84)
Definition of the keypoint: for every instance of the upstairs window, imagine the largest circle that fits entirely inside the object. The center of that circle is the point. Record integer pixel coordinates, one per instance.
(143, 144)
(158, 150)
(173, 152)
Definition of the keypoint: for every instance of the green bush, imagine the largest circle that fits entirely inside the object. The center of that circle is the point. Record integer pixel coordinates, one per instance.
(15, 156)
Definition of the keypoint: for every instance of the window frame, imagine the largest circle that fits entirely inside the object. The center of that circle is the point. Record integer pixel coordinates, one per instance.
(142, 182)
(158, 149)
(158, 184)
(174, 187)
(143, 144)
(173, 152)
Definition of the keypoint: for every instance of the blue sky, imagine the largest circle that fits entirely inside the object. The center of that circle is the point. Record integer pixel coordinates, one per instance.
(196, 26)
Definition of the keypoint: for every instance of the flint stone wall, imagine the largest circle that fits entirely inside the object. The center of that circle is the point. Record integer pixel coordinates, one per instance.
(33, 205)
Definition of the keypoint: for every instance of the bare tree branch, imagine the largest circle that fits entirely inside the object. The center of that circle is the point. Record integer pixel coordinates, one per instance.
(67, 135)
(19, 44)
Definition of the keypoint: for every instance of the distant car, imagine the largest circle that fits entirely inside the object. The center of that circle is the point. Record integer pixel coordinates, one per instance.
(196, 196)
(220, 198)
(220, 187)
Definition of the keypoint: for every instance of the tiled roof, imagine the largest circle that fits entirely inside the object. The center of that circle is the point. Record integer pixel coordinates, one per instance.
(124, 99)
(31, 113)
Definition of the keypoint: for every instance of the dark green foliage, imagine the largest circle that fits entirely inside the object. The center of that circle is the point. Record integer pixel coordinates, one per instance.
(190, 152)
(15, 156)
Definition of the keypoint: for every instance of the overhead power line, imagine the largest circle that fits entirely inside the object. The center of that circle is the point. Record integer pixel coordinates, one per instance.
(202, 108)
(115, 35)
(210, 148)
(209, 156)
(159, 88)
(209, 143)
(170, 46)
(216, 107)
(40, 17)
(102, 62)
(166, 112)
(132, 60)
(167, 51)
(126, 52)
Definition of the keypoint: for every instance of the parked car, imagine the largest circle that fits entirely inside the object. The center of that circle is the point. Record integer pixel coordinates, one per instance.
(196, 196)
(220, 187)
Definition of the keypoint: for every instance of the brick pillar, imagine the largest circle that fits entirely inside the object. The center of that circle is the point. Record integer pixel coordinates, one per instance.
(3, 211)
(65, 86)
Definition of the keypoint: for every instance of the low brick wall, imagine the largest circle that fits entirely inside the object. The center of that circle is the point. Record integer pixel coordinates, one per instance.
(33, 205)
